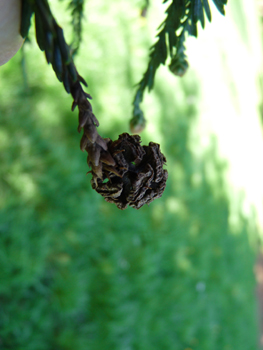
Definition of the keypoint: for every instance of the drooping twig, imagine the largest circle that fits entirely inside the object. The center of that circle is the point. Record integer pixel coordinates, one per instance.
(140, 178)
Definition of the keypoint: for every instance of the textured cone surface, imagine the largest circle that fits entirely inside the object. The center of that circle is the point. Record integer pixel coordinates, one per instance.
(141, 175)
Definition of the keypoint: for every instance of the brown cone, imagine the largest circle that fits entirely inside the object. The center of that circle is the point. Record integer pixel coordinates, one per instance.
(123, 171)
(140, 176)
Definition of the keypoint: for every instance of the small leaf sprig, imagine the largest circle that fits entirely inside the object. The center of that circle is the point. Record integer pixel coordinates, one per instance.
(182, 17)
(77, 8)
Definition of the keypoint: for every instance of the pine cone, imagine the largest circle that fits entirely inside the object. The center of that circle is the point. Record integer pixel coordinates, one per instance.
(140, 177)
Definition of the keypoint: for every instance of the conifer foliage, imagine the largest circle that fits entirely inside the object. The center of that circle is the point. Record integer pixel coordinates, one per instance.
(123, 171)
(182, 17)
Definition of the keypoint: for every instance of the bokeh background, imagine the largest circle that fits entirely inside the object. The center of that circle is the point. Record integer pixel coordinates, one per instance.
(76, 272)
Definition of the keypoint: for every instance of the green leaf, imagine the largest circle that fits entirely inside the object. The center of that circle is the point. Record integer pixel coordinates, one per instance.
(198, 13)
(26, 13)
(174, 14)
(72, 72)
(66, 81)
(192, 28)
(57, 63)
(64, 48)
(46, 15)
(207, 10)
(220, 6)
(172, 38)
(150, 76)
(40, 31)
(181, 7)
(161, 48)
(49, 47)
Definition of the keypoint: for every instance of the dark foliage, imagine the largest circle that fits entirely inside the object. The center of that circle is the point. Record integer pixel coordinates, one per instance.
(182, 18)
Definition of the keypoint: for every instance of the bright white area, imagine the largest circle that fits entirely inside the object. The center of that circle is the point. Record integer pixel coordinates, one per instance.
(229, 80)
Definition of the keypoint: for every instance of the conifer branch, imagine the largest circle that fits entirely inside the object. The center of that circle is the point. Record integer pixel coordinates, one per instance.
(182, 17)
(134, 174)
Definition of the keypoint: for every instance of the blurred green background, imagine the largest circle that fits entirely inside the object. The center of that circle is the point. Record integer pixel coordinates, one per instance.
(76, 272)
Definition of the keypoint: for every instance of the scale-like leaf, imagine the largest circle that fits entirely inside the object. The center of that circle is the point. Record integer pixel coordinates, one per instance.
(65, 79)
(40, 30)
(26, 13)
(220, 6)
(72, 72)
(57, 63)
(181, 8)
(174, 13)
(207, 10)
(198, 12)
(64, 49)
(161, 48)
(192, 28)
(83, 81)
(172, 38)
(150, 76)
(49, 46)
(46, 16)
